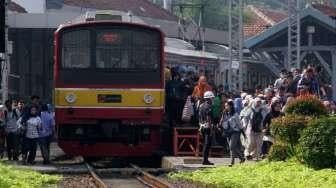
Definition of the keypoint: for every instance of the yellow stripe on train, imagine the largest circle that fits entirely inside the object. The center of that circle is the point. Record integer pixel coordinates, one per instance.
(109, 97)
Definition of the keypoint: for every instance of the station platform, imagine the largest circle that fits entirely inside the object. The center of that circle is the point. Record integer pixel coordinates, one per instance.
(67, 166)
(171, 162)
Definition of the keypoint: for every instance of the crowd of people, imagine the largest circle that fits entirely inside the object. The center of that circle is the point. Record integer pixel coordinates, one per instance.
(24, 127)
(239, 121)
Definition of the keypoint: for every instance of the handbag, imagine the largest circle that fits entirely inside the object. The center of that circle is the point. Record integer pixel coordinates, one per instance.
(22, 127)
(188, 110)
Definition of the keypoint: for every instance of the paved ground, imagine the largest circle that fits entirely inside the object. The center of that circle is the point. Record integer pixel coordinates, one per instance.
(193, 162)
(75, 165)
(65, 166)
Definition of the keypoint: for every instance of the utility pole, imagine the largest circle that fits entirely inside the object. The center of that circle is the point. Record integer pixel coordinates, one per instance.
(236, 37)
(4, 63)
(294, 34)
(200, 32)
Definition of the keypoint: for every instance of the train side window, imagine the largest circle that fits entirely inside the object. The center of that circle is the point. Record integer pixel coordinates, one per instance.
(76, 49)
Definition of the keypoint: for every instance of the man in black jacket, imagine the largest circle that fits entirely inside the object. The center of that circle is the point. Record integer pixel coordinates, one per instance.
(206, 124)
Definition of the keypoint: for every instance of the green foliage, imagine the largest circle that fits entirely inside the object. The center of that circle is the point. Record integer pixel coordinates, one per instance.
(306, 106)
(279, 152)
(12, 177)
(287, 128)
(215, 13)
(317, 144)
(262, 174)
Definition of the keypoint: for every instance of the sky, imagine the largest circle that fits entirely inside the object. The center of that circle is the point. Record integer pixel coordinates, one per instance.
(33, 6)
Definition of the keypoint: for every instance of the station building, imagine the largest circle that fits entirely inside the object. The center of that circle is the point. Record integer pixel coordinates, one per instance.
(31, 59)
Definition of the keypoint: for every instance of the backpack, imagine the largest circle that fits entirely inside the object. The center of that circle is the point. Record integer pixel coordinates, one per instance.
(227, 128)
(256, 121)
(15, 115)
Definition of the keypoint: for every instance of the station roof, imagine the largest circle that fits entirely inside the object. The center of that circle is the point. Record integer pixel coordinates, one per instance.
(142, 8)
(12, 6)
(309, 11)
(329, 11)
(260, 22)
(178, 43)
(264, 18)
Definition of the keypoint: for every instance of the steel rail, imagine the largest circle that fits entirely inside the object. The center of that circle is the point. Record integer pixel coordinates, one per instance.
(149, 179)
(99, 182)
(141, 175)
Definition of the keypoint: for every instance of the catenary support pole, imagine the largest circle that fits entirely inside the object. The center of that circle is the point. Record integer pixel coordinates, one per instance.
(5, 63)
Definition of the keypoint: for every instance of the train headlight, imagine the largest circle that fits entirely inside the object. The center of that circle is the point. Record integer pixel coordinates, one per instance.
(70, 98)
(148, 98)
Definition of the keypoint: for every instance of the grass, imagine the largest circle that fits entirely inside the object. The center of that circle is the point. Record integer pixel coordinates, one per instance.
(259, 175)
(11, 177)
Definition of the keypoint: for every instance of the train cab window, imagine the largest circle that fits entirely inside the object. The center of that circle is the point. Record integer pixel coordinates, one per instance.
(111, 49)
(127, 50)
(76, 49)
(146, 52)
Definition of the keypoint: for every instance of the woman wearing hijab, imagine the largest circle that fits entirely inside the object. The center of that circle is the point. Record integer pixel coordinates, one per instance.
(268, 139)
(201, 88)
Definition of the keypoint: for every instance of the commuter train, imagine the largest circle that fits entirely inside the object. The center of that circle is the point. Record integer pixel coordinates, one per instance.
(109, 88)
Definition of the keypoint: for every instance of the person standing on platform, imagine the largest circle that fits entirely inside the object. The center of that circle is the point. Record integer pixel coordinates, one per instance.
(206, 124)
(11, 130)
(33, 124)
(46, 133)
(201, 88)
(174, 93)
(254, 118)
(232, 129)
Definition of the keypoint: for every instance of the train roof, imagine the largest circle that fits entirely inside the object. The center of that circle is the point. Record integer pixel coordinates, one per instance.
(103, 17)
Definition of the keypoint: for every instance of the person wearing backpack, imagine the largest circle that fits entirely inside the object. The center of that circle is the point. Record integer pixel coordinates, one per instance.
(11, 131)
(253, 131)
(232, 129)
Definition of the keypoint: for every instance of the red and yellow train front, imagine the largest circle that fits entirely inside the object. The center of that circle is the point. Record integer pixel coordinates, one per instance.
(109, 91)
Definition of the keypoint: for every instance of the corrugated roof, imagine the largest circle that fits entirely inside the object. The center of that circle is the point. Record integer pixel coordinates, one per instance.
(275, 15)
(259, 23)
(309, 11)
(142, 8)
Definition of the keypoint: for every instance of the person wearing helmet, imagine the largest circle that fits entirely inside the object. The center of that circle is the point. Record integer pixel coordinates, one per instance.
(206, 123)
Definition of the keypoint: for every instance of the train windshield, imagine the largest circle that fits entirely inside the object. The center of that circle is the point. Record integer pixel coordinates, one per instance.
(116, 49)
(119, 50)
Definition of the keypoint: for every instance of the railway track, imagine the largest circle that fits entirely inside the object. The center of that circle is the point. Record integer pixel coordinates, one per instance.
(139, 179)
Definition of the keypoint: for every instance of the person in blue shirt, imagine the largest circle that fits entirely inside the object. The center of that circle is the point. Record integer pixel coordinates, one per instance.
(46, 133)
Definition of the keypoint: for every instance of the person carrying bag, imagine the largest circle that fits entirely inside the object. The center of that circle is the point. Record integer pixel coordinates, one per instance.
(188, 110)
(231, 130)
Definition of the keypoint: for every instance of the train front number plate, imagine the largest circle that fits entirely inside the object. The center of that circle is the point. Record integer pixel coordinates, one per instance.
(109, 98)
